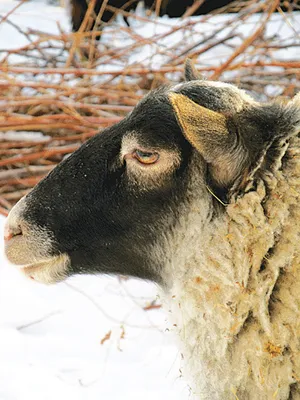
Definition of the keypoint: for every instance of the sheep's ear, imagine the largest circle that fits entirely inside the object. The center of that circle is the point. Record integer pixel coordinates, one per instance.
(208, 132)
(205, 129)
(296, 100)
(190, 72)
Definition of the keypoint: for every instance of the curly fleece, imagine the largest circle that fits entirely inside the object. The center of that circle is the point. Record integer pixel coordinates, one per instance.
(235, 300)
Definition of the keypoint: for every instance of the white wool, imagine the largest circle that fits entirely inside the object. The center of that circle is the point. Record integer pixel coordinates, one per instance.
(239, 324)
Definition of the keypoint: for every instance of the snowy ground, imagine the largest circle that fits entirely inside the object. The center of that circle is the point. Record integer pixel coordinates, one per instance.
(50, 340)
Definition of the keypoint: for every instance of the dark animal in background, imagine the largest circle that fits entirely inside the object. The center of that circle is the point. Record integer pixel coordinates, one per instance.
(172, 8)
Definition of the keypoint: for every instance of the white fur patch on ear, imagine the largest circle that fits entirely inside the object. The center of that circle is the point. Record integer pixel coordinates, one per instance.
(296, 100)
(148, 175)
(292, 113)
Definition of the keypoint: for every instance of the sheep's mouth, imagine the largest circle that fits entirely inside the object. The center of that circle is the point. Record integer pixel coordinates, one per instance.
(51, 270)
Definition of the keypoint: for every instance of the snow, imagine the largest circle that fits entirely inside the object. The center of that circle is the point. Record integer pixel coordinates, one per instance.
(33, 15)
(50, 340)
(24, 136)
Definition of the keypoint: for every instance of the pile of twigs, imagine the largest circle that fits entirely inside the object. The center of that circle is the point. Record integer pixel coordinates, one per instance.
(64, 88)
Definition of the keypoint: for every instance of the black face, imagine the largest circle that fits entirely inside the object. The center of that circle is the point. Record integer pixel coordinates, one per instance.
(112, 205)
(96, 212)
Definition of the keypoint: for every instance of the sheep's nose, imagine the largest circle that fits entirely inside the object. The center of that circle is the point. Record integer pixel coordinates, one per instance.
(14, 223)
(10, 231)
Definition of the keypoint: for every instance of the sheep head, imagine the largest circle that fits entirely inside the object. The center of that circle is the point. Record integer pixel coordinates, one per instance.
(113, 205)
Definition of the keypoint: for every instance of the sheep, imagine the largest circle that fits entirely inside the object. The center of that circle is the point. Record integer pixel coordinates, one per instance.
(197, 189)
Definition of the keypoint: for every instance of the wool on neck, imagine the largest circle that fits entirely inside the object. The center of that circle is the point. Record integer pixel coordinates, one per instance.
(235, 293)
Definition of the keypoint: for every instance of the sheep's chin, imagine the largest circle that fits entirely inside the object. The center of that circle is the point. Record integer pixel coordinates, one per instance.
(48, 271)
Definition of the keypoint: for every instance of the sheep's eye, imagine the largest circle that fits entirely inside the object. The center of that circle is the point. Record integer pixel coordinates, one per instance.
(145, 157)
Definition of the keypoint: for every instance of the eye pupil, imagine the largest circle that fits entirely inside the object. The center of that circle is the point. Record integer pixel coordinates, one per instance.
(146, 157)
(143, 154)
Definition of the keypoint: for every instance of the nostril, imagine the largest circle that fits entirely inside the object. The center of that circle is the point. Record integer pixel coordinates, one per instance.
(11, 232)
